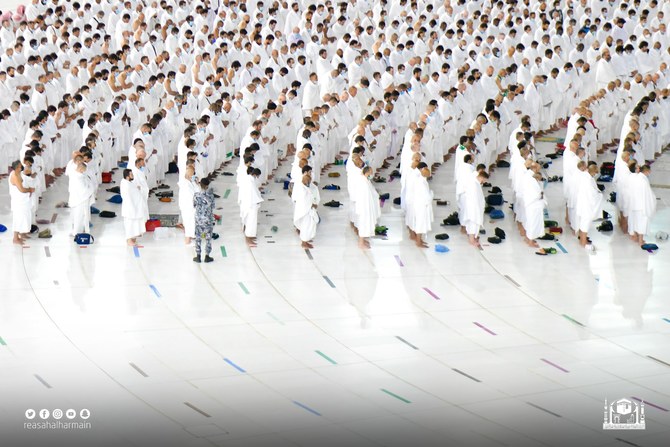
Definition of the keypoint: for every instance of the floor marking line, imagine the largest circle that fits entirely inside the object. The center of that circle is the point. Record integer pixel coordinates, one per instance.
(431, 293)
(244, 288)
(406, 342)
(627, 442)
(399, 261)
(466, 375)
(137, 368)
(158, 295)
(512, 281)
(54, 217)
(649, 403)
(326, 357)
(555, 365)
(658, 360)
(47, 251)
(223, 252)
(194, 408)
(330, 283)
(2, 342)
(396, 396)
(544, 409)
(271, 315)
(305, 407)
(42, 381)
(136, 251)
(226, 194)
(479, 325)
(561, 247)
(231, 363)
(569, 318)
(309, 254)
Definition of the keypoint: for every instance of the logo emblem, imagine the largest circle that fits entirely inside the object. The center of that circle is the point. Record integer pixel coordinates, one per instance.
(44, 413)
(57, 413)
(84, 414)
(30, 413)
(70, 414)
(624, 414)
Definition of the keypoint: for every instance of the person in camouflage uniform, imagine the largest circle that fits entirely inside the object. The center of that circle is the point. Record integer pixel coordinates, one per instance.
(203, 201)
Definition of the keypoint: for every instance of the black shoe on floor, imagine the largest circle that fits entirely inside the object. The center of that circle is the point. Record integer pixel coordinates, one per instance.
(196, 259)
(208, 258)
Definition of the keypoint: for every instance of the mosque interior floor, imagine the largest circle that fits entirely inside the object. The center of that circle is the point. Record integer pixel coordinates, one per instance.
(275, 346)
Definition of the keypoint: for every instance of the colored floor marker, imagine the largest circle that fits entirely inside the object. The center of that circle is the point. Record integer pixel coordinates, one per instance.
(158, 295)
(627, 442)
(330, 283)
(481, 326)
(56, 282)
(430, 292)
(326, 357)
(309, 254)
(136, 251)
(305, 407)
(42, 381)
(658, 361)
(649, 404)
(47, 252)
(54, 217)
(466, 375)
(399, 261)
(512, 281)
(137, 368)
(555, 365)
(2, 342)
(231, 363)
(569, 318)
(406, 342)
(561, 247)
(243, 287)
(271, 315)
(667, 320)
(226, 194)
(223, 252)
(395, 395)
(544, 409)
(194, 408)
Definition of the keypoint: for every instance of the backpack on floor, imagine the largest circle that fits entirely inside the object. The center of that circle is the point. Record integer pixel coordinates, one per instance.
(607, 168)
(497, 214)
(83, 239)
(452, 219)
(494, 199)
(605, 226)
(106, 177)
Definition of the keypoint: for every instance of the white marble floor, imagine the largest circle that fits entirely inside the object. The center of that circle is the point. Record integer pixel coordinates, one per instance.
(276, 346)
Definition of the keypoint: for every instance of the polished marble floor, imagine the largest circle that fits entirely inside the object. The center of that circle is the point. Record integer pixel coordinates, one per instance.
(277, 346)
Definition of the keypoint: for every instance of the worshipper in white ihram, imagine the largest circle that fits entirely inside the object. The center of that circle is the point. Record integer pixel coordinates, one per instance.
(132, 209)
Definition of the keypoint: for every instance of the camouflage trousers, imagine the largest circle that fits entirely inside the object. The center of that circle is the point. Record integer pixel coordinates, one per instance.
(203, 231)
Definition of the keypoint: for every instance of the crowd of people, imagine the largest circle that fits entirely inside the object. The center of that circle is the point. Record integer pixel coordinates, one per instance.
(187, 87)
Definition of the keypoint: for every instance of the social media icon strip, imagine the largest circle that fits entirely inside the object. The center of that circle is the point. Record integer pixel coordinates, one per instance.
(84, 414)
(57, 413)
(30, 413)
(70, 413)
(44, 413)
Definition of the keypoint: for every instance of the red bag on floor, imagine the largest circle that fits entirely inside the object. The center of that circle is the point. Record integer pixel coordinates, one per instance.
(152, 224)
(106, 177)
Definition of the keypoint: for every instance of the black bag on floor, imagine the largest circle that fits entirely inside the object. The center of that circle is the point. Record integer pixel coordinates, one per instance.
(612, 198)
(607, 168)
(494, 199)
(499, 232)
(605, 226)
(502, 164)
(172, 168)
(494, 240)
(452, 219)
(107, 214)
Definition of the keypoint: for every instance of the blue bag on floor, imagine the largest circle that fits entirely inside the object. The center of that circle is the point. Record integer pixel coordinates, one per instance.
(83, 239)
(649, 247)
(116, 198)
(497, 214)
(439, 248)
(2, 228)
(94, 210)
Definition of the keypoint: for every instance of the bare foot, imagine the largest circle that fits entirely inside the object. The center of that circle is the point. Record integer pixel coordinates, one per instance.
(188, 240)
(306, 245)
